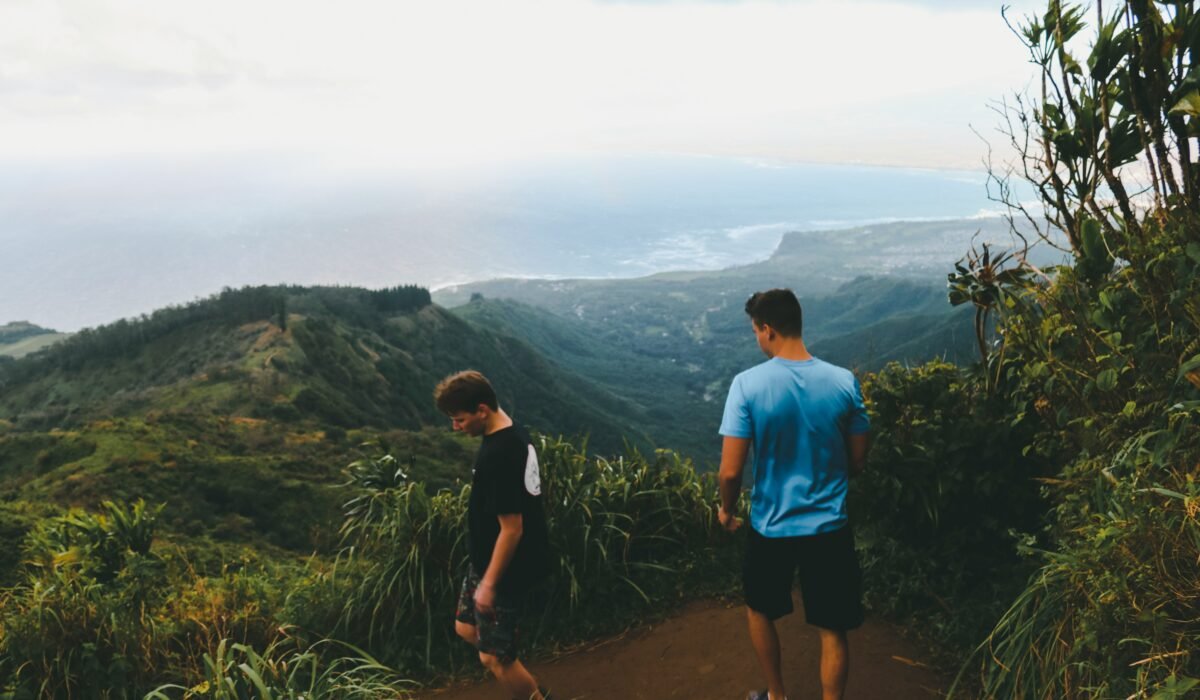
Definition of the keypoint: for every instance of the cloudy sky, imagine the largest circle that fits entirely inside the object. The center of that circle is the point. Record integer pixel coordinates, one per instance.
(458, 81)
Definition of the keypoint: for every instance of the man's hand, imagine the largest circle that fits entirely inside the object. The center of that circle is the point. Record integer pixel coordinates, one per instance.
(485, 599)
(512, 526)
(728, 521)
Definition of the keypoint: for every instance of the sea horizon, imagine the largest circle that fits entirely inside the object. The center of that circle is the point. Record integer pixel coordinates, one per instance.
(88, 247)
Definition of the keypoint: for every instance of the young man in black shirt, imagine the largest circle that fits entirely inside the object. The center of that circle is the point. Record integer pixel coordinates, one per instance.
(506, 529)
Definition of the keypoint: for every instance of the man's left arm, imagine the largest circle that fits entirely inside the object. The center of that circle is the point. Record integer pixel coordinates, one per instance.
(856, 452)
(733, 464)
(512, 526)
(858, 437)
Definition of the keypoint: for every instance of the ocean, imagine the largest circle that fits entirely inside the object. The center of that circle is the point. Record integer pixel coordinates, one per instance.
(85, 244)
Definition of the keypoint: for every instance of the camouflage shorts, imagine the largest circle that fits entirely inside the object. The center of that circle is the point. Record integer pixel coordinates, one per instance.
(498, 632)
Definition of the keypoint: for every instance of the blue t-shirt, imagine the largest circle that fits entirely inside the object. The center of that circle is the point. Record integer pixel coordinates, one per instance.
(798, 413)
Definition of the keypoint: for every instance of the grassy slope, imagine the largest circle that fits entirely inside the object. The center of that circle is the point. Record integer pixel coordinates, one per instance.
(32, 344)
(20, 338)
(227, 481)
(18, 330)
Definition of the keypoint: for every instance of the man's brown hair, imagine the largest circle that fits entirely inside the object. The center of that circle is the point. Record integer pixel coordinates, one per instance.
(463, 392)
(779, 309)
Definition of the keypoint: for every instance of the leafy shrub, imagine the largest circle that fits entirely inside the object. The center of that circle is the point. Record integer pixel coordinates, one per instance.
(945, 489)
(1104, 353)
(1104, 364)
(81, 620)
(100, 613)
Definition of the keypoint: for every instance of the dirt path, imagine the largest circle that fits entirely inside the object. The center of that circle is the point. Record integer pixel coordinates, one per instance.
(703, 653)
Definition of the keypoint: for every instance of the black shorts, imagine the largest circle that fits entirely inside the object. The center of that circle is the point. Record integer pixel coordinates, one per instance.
(499, 632)
(830, 579)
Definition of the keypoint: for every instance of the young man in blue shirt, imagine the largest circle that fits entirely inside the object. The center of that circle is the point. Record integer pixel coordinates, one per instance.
(808, 426)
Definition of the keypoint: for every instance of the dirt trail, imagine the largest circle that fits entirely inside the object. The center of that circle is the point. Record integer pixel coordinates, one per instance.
(703, 653)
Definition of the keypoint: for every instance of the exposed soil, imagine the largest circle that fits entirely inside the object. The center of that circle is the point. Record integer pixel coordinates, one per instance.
(704, 653)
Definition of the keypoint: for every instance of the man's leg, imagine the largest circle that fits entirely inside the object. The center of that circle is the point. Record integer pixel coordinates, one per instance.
(766, 645)
(465, 624)
(835, 663)
(515, 678)
(832, 587)
(767, 574)
(469, 633)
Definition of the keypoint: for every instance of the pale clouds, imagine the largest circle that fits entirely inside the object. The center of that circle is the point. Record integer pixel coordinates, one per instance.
(462, 81)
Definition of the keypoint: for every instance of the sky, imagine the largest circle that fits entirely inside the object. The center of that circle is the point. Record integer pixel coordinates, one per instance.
(447, 83)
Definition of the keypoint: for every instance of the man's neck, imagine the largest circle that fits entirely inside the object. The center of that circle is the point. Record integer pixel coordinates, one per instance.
(792, 349)
(497, 421)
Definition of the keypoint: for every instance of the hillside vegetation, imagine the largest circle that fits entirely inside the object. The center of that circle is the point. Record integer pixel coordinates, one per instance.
(672, 347)
(342, 357)
(207, 408)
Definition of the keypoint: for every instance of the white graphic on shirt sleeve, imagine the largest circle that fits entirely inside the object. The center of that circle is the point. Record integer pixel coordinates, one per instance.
(533, 476)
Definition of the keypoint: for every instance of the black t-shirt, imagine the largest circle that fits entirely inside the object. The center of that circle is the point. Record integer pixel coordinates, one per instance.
(506, 481)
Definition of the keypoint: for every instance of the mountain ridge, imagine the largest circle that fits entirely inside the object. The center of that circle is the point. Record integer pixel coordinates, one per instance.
(298, 354)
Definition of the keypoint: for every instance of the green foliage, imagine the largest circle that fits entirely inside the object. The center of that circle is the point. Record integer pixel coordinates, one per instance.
(212, 472)
(347, 358)
(624, 534)
(625, 527)
(945, 489)
(1099, 356)
(101, 611)
(982, 279)
(99, 542)
(236, 671)
(1103, 364)
(104, 609)
(81, 619)
(1115, 609)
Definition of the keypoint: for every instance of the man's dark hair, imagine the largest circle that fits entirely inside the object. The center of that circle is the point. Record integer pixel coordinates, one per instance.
(463, 392)
(779, 309)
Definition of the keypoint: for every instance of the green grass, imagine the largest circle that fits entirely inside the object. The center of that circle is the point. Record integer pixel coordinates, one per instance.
(27, 346)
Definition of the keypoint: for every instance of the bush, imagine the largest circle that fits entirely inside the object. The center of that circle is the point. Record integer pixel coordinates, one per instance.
(82, 617)
(945, 491)
(1104, 353)
(1104, 364)
(99, 612)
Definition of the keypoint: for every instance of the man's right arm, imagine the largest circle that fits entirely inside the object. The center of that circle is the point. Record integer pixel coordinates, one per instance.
(729, 477)
(856, 452)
